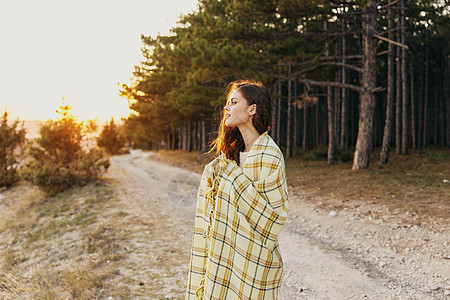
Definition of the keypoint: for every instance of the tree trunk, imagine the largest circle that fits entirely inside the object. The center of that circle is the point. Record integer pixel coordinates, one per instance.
(330, 108)
(420, 103)
(441, 99)
(425, 97)
(197, 135)
(343, 140)
(273, 131)
(398, 106)
(289, 115)
(436, 109)
(368, 82)
(305, 128)
(337, 113)
(179, 137)
(189, 135)
(279, 114)
(413, 108)
(193, 136)
(183, 137)
(172, 139)
(295, 116)
(325, 116)
(405, 129)
(167, 145)
(390, 93)
(354, 119)
(447, 100)
(316, 120)
(331, 131)
(203, 135)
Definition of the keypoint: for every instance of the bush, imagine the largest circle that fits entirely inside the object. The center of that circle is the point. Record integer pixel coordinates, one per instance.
(111, 139)
(345, 154)
(12, 142)
(59, 161)
(320, 153)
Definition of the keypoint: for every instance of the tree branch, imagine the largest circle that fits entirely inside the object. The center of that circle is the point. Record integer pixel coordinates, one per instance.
(330, 83)
(383, 53)
(341, 57)
(378, 89)
(339, 64)
(390, 41)
(389, 4)
(326, 64)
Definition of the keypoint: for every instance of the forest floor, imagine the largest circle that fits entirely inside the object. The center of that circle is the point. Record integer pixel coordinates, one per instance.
(381, 233)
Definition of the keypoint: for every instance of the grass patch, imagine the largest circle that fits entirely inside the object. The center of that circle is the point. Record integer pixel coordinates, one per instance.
(82, 282)
(411, 183)
(12, 287)
(103, 240)
(9, 260)
(52, 216)
(60, 226)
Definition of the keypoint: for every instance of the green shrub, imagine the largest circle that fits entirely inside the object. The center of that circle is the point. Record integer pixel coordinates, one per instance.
(316, 154)
(435, 156)
(320, 153)
(344, 154)
(110, 139)
(58, 161)
(12, 142)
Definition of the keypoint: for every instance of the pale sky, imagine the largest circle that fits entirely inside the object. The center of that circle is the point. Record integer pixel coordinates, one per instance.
(79, 49)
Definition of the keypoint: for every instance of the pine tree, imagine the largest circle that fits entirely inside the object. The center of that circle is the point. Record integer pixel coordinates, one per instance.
(12, 141)
(110, 139)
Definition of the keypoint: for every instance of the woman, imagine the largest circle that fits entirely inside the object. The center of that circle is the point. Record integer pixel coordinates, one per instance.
(242, 203)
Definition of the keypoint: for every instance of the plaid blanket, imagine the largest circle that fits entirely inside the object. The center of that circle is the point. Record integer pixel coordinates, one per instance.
(239, 215)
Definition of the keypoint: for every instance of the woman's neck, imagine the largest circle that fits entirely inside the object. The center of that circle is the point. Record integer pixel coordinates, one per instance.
(250, 135)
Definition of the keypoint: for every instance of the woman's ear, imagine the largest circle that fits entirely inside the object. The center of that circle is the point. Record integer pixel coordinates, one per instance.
(252, 109)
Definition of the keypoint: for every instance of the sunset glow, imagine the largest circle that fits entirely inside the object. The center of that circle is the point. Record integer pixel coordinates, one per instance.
(79, 50)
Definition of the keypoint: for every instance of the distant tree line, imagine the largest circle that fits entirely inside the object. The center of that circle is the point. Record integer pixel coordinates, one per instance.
(356, 75)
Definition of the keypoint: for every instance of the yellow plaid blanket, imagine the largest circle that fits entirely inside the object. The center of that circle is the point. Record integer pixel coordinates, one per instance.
(235, 252)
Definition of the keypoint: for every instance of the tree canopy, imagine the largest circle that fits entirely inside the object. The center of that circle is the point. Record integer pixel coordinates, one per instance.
(300, 50)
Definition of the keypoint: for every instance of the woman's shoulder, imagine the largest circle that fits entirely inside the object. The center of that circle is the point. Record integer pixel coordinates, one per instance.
(210, 166)
(269, 149)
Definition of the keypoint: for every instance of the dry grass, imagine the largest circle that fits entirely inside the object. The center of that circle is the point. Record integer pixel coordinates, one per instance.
(61, 235)
(82, 282)
(13, 287)
(9, 260)
(415, 183)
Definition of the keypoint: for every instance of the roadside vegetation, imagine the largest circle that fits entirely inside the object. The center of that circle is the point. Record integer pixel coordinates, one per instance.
(55, 242)
(12, 149)
(111, 139)
(58, 247)
(58, 160)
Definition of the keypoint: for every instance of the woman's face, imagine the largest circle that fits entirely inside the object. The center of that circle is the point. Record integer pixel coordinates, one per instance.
(238, 112)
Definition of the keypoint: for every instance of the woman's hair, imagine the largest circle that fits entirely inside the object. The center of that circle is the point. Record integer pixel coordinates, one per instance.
(229, 139)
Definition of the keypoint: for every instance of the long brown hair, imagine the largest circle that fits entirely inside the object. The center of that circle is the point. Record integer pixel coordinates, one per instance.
(229, 139)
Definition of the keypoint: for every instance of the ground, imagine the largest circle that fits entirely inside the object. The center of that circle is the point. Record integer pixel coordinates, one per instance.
(129, 237)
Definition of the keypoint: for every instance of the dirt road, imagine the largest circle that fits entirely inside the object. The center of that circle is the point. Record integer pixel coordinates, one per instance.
(326, 254)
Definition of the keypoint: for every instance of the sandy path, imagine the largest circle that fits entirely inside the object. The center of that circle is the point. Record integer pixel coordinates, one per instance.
(323, 255)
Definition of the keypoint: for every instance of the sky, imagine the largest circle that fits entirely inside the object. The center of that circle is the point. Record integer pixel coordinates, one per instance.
(80, 50)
